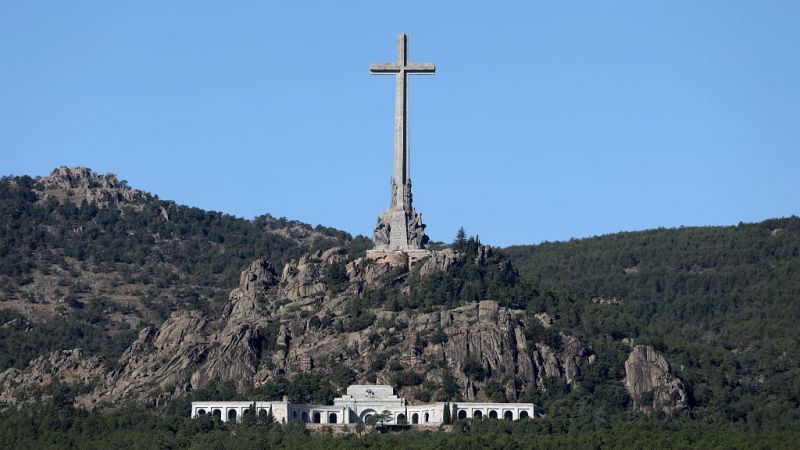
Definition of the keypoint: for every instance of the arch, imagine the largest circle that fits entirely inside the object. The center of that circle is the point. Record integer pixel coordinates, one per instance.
(523, 415)
(415, 418)
(478, 414)
(493, 414)
(425, 417)
(262, 413)
(332, 418)
(366, 414)
(305, 417)
(508, 415)
(316, 418)
(401, 418)
(217, 413)
(247, 412)
(231, 415)
(201, 412)
(462, 414)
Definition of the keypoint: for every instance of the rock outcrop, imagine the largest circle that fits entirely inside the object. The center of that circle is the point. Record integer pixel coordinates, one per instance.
(564, 364)
(650, 383)
(302, 279)
(159, 360)
(63, 366)
(254, 282)
(440, 261)
(368, 271)
(80, 184)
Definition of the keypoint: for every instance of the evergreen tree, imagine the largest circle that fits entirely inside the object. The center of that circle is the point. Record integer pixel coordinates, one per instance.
(450, 386)
(267, 419)
(460, 241)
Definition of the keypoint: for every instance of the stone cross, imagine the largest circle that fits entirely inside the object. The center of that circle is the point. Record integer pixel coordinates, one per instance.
(400, 227)
(401, 69)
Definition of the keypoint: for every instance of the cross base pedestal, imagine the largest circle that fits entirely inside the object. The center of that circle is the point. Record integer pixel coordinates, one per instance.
(397, 258)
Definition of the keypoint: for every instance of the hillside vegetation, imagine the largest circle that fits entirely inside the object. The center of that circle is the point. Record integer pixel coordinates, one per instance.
(111, 296)
(722, 303)
(86, 261)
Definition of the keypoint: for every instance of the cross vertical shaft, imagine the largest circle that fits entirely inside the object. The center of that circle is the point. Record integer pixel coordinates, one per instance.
(401, 167)
(401, 69)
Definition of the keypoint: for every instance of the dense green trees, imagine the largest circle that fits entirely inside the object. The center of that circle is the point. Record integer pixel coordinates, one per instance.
(492, 278)
(21, 341)
(132, 427)
(721, 303)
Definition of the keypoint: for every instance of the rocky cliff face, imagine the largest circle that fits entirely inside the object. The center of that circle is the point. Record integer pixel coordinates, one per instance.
(188, 350)
(650, 383)
(495, 337)
(42, 374)
(280, 325)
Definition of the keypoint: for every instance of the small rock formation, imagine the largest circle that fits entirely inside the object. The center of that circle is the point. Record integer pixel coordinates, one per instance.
(300, 232)
(369, 271)
(484, 253)
(564, 364)
(253, 285)
(440, 261)
(80, 183)
(545, 319)
(332, 255)
(65, 366)
(302, 279)
(650, 383)
(606, 301)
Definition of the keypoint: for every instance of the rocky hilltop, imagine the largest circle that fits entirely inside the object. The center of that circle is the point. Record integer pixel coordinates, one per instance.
(80, 184)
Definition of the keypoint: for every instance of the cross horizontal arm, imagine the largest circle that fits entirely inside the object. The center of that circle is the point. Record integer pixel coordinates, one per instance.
(384, 68)
(420, 68)
(409, 68)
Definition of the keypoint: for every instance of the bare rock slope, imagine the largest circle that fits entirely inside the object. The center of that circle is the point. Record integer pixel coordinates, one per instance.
(651, 384)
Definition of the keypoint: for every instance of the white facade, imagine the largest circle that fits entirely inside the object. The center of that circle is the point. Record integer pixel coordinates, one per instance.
(362, 401)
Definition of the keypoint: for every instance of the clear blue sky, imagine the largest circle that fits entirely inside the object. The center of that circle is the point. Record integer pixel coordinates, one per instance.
(544, 121)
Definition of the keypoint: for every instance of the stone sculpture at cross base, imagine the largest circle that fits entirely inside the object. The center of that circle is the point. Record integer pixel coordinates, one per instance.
(400, 228)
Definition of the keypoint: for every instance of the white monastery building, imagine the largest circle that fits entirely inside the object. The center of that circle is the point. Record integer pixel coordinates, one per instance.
(362, 401)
